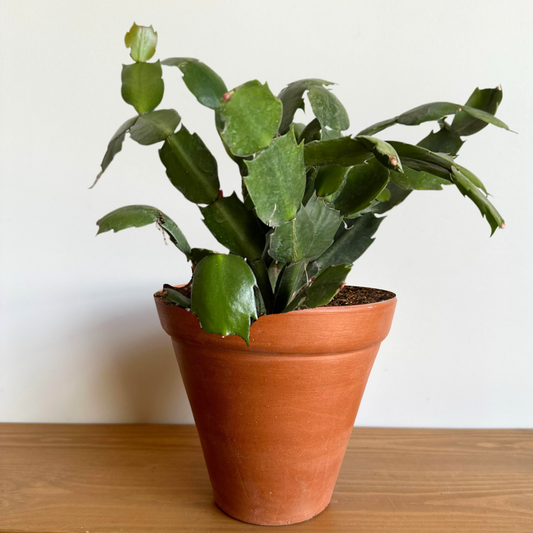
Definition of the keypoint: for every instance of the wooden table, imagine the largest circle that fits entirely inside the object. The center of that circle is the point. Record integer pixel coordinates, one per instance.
(142, 478)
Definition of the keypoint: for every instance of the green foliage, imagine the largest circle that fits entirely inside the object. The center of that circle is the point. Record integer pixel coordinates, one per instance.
(155, 126)
(190, 167)
(203, 82)
(235, 227)
(223, 295)
(142, 85)
(313, 197)
(276, 180)
(142, 40)
(251, 117)
(136, 216)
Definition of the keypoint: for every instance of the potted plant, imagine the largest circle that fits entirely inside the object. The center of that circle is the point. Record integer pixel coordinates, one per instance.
(273, 369)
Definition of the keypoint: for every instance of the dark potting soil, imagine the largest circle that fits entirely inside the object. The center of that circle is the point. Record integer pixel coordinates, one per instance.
(349, 295)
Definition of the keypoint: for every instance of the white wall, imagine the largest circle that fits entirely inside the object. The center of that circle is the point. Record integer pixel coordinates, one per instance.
(80, 338)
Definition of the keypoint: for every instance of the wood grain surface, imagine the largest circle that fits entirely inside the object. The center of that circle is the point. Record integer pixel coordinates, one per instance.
(143, 478)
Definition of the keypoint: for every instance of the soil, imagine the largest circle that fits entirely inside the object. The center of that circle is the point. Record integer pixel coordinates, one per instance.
(349, 295)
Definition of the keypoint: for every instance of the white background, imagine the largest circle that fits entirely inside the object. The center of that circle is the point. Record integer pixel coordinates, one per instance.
(80, 338)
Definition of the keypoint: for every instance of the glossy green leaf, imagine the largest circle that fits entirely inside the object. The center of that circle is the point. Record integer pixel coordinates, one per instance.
(416, 180)
(326, 285)
(292, 98)
(328, 108)
(251, 118)
(467, 188)
(444, 141)
(383, 152)
(190, 167)
(114, 146)
(345, 151)
(142, 40)
(170, 294)
(351, 242)
(276, 180)
(485, 99)
(155, 126)
(142, 85)
(197, 254)
(223, 295)
(362, 185)
(292, 278)
(235, 227)
(206, 85)
(291, 241)
(326, 222)
(136, 216)
(431, 112)
(329, 179)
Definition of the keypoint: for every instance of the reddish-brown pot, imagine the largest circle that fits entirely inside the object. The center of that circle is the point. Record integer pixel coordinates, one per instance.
(274, 418)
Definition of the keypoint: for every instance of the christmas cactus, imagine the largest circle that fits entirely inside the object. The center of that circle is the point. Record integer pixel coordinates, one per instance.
(312, 195)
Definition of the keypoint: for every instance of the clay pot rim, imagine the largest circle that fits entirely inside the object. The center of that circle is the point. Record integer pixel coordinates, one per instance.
(314, 310)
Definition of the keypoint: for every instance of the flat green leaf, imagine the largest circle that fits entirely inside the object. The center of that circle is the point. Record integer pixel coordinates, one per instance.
(170, 294)
(223, 295)
(114, 146)
(416, 180)
(383, 152)
(467, 188)
(235, 227)
(330, 134)
(276, 180)
(345, 151)
(326, 221)
(484, 117)
(142, 85)
(444, 141)
(326, 285)
(329, 179)
(430, 112)
(155, 126)
(311, 132)
(397, 196)
(136, 216)
(206, 85)
(419, 158)
(469, 174)
(142, 40)
(485, 99)
(292, 278)
(351, 242)
(384, 195)
(292, 98)
(265, 294)
(362, 186)
(328, 108)
(190, 167)
(291, 241)
(413, 117)
(251, 116)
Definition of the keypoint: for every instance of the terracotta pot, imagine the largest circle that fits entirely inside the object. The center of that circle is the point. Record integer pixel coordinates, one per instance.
(274, 418)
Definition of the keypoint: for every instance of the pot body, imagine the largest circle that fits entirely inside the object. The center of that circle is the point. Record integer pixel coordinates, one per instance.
(274, 418)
